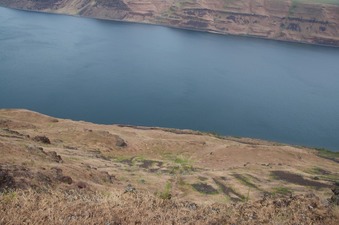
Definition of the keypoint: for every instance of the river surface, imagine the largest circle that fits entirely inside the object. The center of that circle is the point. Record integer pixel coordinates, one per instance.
(112, 72)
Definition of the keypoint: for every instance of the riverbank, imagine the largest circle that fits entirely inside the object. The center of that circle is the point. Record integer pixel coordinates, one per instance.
(303, 22)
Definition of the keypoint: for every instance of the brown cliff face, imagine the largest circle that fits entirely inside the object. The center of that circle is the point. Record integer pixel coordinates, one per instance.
(308, 21)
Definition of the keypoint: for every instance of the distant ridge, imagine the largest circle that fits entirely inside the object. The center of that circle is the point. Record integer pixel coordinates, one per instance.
(313, 22)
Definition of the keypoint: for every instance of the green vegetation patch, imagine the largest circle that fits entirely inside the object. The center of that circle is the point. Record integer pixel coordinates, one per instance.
(8, 196)
(319, 171)
(323, 174)
(124, 160)
(181, 169)
(181, 160)
(281, 190)
(180, 163)
(166, 193)
(327, 154)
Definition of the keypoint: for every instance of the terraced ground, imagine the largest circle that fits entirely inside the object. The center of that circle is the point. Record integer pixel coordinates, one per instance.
(307, 21)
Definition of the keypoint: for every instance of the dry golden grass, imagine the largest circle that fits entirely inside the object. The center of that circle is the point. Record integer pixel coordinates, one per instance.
(79, 207)
(55, 207)
(335, 211)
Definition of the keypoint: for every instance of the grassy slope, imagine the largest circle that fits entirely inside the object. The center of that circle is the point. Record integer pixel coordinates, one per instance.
(160, 164)
(77, 207)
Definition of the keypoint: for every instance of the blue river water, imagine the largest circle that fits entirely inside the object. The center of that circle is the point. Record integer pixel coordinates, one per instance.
(113, 72)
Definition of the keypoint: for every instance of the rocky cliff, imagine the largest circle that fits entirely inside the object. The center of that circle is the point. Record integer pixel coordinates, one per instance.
(307, 21)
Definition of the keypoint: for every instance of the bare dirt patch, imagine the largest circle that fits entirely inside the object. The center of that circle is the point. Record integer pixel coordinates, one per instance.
(6, 180)
(297, 179)
(42, 139)
(204, 188)
(146, 164)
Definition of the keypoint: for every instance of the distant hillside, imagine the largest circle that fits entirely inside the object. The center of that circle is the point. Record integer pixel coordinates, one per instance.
(308, 21)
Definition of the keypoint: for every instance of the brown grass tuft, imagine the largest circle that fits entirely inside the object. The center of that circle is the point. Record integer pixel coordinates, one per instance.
(80, 207)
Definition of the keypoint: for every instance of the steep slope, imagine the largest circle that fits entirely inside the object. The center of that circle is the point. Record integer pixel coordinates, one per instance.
(39, 150)
(60, 171)
(314, 21)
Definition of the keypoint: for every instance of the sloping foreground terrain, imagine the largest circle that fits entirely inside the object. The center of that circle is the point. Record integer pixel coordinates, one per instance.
(57, 171)
(307, 21)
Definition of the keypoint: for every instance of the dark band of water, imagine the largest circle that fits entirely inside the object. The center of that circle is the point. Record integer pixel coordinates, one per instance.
(110, 72)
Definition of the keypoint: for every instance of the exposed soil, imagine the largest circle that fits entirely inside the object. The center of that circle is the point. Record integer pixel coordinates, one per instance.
(298, 179)
(6, 180)
(120, 142)
(42, 139)
(150, 163)
(204, 188)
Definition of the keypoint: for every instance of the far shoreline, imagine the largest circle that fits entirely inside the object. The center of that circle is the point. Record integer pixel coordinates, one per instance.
(322, 151)
(176, 27)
